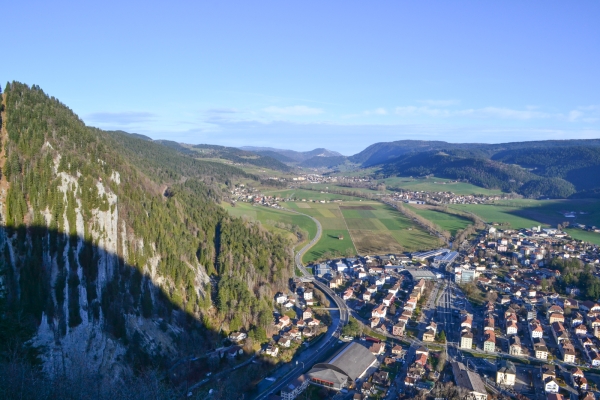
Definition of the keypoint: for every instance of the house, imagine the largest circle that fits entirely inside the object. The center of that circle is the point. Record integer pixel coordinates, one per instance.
(284, 341)
(559, 332)
(272, 351)
(422, 350)
(375, 321)
(466, 322)
(428, 336)
(568, 351)
(285, 321)
(381, 378)
(377, 348)
(548, 371)
(595, 357)
(550, 385)
(556, 317)
(280, 298)
(577, 319)
(308, 295)
(234, 351)
(489, 324)
(237, 336)
(397, 350)
(421, 359)
(466, 340)
(398, 329)
(515, 348)
(506, 374)
(295, 388)
(295, 334)
(367, 389)
(536, 331)
(540, 349)
(581, 330)
(313, 322)
(348, 294)
(366, 296)
(489, 343)
(307, 313)
(511, 328)
(380, 311)
(554, 309)
(388, 300)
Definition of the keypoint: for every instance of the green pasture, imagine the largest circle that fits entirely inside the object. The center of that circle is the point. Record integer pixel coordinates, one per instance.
(435, 184)
(448, 222)
(498, 213)
(270, 217)
(308, 195)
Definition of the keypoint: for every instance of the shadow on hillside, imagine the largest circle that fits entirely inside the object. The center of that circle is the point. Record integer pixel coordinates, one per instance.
(102, 327)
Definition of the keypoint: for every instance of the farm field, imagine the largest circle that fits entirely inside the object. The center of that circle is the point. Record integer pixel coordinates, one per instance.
(367, 227)
(435, 184)
(272, 219)
(448, 222)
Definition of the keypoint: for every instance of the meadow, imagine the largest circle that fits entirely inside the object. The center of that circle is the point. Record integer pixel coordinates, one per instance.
(525, 213)
(448, 222)
(272, 219)
(308, 195)
(435, 184)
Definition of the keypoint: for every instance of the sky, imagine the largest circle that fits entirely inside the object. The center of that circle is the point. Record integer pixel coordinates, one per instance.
(305, 74)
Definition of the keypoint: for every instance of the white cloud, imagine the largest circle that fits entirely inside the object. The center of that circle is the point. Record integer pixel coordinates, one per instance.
(486, 112)
(294, 110)
(377, 111)
(439, 103)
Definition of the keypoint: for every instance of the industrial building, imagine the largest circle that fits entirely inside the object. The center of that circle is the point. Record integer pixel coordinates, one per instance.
(418, 274)
(345, 367)
(422, 256)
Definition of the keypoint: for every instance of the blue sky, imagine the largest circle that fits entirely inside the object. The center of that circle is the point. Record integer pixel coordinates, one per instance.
(300, 75)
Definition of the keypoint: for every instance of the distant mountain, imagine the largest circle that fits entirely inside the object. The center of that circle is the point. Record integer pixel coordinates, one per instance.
(294, 156)
(382, 152)
(323, 162)
(238, 156)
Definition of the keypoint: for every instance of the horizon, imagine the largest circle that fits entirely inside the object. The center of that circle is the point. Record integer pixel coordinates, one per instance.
(339, 76)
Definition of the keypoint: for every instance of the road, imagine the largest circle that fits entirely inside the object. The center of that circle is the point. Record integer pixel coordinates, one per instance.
(312, 355)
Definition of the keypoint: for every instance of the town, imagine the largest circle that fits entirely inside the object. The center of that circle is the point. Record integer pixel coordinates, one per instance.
(511, 316)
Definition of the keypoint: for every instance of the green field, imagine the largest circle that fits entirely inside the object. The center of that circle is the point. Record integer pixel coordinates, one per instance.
(498, 213)
(524, 213)
(308, 195)
(434, 184)
(270, 217)
(367, 227)
(448, 222)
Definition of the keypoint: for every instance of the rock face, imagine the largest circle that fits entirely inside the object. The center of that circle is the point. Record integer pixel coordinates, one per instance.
(108, 270)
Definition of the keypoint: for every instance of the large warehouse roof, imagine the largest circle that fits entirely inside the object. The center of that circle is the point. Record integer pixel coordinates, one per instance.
(352, 361)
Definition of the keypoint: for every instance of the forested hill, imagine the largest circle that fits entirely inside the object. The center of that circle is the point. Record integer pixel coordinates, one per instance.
(383, 152)
(106, 236)
(481, 171)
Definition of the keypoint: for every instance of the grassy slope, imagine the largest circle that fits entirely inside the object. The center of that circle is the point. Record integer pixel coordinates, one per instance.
(524, 213)
(268, 216)
(442, 185)
(308, 195)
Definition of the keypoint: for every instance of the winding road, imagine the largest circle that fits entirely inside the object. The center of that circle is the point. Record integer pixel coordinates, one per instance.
(312, 354)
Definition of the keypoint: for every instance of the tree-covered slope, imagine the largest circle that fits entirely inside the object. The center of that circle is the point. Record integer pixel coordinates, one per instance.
(239, 156)
(102, 231)
(478, 170)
